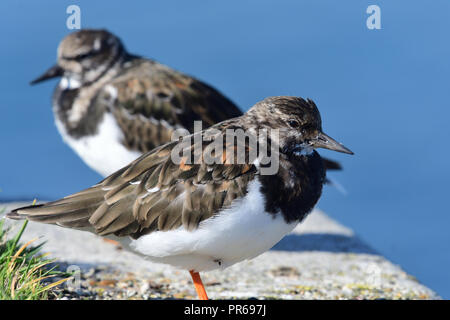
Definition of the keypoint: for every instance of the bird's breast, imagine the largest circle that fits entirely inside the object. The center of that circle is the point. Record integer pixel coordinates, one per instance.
(242, 231)
(295, 189)
(104, 150)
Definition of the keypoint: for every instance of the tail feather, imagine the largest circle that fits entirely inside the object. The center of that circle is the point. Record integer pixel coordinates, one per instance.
(15, 213)
(76, 224)
(73, 210)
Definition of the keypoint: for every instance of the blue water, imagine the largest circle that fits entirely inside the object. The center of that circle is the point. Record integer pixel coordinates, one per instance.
(384, 93)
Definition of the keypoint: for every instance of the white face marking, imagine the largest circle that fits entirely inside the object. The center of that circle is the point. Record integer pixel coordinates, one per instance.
(69, 83)
(242, 231)
(306, 150)
(64, 83)
(97, 44)
(103, 152)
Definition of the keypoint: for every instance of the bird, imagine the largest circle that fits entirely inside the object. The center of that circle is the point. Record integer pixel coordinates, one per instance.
(111, 106)
(205, 201)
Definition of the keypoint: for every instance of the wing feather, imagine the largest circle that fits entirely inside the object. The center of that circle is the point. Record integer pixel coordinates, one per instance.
(150, 100)
(152, 193)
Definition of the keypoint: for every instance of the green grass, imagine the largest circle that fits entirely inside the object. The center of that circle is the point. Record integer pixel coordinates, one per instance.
(24, 272)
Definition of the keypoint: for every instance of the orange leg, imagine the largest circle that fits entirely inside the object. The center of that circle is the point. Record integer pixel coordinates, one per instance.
(199, 287)
(113, 242)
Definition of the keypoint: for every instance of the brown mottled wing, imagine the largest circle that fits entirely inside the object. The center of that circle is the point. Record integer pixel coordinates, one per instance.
(152, 193)
(150, 100)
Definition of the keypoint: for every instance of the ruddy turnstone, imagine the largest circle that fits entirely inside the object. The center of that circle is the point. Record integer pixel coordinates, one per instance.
(111, 106)
(198, 205)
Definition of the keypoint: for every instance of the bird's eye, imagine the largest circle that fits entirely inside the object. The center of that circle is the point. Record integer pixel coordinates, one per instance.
(294, 123)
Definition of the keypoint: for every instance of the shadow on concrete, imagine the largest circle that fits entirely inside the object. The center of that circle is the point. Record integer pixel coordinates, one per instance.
(323, 242)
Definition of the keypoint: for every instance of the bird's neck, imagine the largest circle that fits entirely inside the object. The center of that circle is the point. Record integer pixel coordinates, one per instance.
(295, 189)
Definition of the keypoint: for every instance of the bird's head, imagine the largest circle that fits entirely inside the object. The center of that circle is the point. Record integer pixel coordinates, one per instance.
(84, 56)
(298, 123)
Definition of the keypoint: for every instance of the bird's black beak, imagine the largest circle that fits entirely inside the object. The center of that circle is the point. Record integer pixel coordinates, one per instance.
(324, 141)
(53, 72)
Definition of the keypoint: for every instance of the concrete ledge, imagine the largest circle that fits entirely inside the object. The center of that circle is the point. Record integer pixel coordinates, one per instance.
(320, 259)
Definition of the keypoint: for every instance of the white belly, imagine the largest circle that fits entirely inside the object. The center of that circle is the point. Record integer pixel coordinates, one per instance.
(240, 232)
(104, 151)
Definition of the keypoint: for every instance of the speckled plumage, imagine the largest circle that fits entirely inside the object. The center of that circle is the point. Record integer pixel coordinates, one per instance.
(155, 194)
(147, 100)
(138, 102)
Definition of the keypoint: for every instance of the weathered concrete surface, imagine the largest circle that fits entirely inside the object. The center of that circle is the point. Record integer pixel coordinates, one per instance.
(320, 259)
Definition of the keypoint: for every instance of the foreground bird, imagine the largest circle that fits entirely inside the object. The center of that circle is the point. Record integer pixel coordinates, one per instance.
(111, 106)
(197, 214)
